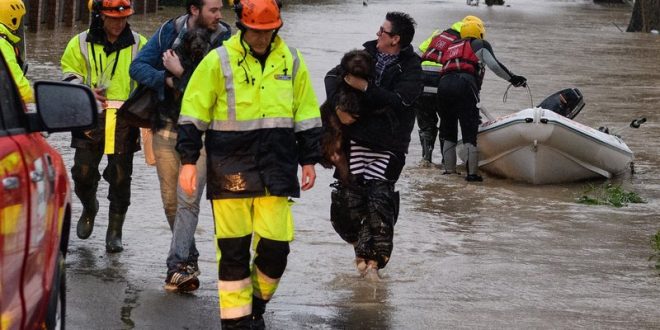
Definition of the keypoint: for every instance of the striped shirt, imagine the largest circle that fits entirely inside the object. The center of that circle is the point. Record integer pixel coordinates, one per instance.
(368, 163)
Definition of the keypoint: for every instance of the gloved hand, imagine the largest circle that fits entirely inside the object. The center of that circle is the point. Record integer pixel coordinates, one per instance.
(188, 178)
(518, 81)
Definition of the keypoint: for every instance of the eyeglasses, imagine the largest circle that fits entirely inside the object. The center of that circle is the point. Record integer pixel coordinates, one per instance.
(382, 30)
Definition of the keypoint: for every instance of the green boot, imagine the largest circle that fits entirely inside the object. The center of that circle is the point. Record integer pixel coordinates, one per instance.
(86, 222)
(113, 236)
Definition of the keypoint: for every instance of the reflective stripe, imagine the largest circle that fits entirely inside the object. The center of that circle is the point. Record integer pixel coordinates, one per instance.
(435, 67)
(134, 52)
(229, 84)
(82, 40)
(234, 285)
(235, 298)
(235, 312)
(113, 104)
(307, 124)
(199, 124)
(250, 125)
(296, 63)
(110, 125)
(430, 90)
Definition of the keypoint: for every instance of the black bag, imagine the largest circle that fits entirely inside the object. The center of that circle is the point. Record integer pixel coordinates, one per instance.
(140, 107)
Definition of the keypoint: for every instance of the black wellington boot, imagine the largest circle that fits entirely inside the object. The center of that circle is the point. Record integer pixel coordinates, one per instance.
(258, 310)
(86, 222)
(242, 323)
(113, 236)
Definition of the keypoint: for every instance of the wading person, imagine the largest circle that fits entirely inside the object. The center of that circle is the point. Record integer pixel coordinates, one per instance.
(427, 110)
(364, 212)
(254, 101)
(463, 68)
(11, 16)
(159, 67)
(99, 58)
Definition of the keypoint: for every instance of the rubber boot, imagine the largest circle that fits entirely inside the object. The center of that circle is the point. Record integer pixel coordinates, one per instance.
(427, 150)
(242, 323)
(86, 222)
(258, 310)
(113, 236)
(472, 163)
(449, 157)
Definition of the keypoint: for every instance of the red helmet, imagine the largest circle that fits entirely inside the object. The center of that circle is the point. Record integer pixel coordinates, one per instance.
(259, 14)
(111, 8)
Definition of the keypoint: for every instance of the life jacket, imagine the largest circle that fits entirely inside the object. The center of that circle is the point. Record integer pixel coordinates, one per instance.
(460, 57)
(438, 46)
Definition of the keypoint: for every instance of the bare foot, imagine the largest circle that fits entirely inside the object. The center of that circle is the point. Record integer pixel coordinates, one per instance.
(371, 273)
(361, 266)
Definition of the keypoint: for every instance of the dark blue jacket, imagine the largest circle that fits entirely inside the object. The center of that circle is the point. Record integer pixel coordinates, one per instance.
(148, 69)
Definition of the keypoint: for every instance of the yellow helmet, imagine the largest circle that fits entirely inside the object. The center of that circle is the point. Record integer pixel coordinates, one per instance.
(11, 13)
(472, 18)
(473, 29)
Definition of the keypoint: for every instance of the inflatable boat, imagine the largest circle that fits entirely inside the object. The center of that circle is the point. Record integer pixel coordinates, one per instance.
(543, 146)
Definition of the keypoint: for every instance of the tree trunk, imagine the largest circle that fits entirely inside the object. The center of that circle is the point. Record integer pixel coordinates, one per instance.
(645, 16)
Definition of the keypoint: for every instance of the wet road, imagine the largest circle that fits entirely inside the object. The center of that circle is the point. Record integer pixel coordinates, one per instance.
(493, 255)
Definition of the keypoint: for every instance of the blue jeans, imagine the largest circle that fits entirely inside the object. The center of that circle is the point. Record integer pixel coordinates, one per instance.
(178, 205)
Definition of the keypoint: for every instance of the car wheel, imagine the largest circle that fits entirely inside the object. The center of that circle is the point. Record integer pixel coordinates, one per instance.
(57, 300)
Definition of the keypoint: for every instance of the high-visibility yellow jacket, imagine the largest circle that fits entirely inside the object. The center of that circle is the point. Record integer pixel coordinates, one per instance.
(260, 122)
(8, 42)
(85, 61)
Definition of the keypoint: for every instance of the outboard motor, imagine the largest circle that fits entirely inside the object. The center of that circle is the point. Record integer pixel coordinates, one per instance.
(567, 102)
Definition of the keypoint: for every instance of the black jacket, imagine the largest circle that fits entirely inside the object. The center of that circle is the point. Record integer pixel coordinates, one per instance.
(387, 126)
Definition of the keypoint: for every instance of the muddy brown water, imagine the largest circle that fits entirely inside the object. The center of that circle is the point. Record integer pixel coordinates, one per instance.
(495, 255)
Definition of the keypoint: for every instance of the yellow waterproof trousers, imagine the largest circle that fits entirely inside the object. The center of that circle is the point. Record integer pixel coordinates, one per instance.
(240, 277)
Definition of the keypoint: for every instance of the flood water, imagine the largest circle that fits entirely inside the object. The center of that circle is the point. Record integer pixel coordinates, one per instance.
(499, 254)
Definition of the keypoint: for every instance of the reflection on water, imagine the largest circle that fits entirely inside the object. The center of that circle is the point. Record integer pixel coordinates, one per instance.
(498, 254)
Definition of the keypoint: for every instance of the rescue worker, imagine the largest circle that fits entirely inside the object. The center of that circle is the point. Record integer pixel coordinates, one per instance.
(427, 110)
(99, 58)
(160, 68)
(463, 68)
(11, 15)
(254, 101)
(364, 213)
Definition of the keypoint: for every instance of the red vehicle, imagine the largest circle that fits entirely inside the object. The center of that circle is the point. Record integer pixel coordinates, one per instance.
(35, 200)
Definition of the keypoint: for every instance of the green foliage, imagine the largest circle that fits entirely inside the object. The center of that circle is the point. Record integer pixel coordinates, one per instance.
(655, 244)
(608, 194)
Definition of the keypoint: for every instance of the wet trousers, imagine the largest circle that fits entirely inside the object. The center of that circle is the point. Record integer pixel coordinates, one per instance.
(364, 215)
(181, 210)
(458, 96)
(266, 224)
(427, 112)
(86, 176)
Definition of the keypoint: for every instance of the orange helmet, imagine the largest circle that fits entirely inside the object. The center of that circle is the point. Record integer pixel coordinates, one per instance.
(259, 14)
(11, 13)
(111, 8)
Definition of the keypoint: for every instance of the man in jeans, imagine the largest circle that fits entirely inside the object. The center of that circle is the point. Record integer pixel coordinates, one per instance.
(159, 67)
